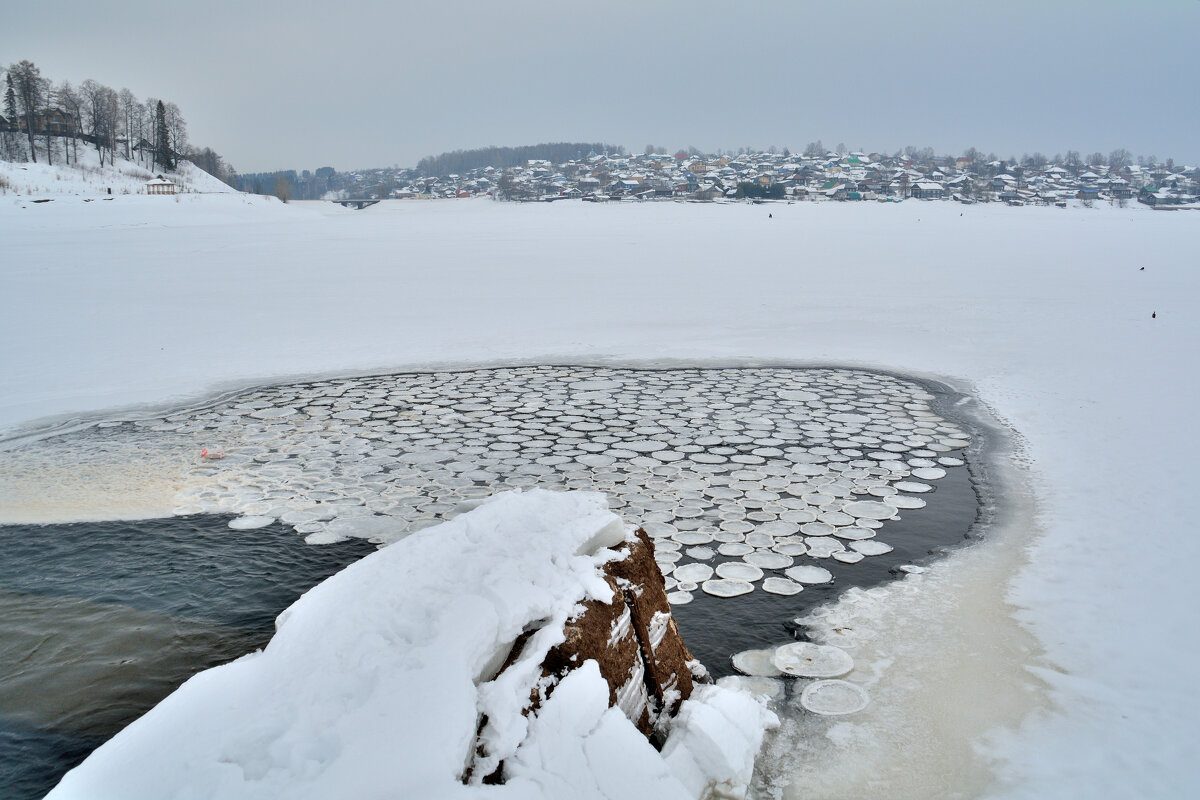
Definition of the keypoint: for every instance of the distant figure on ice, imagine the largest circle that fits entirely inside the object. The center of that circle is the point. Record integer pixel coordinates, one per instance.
(1141, 269)
(770, 216)
(1153, 314)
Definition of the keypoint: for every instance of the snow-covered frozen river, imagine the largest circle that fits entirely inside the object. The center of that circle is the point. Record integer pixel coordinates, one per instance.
(1042, 314)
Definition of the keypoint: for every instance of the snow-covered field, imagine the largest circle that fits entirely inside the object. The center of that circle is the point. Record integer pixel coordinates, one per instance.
(1044, 314)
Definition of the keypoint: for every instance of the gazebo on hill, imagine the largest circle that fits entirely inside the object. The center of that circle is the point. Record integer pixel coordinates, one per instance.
(160, 185)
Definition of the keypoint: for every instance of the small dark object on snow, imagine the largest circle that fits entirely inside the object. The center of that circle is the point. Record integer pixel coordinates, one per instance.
(1141, 269)
(1153, 314)
(770, 216)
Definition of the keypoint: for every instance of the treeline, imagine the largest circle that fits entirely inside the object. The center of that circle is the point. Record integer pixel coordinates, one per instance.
(289, 184)
(461, 161)
(47, 121)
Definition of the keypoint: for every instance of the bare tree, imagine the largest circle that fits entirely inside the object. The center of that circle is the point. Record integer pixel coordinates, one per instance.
(71, 104)
(129, 105)
(1119, 159)
(150, 123)
(177, 129)
(102, 111)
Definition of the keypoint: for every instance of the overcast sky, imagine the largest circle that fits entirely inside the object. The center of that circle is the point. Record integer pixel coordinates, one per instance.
(302, 84)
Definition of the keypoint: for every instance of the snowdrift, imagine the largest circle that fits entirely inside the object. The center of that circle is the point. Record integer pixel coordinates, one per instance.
(376, 680)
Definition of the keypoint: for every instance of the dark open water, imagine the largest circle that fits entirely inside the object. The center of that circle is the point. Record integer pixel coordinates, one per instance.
(715, 628)
(100, 621)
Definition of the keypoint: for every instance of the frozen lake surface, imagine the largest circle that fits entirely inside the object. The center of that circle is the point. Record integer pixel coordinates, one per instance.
(1042, 314)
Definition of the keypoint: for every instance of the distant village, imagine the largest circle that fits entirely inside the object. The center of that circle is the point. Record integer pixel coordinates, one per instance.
(827, 176)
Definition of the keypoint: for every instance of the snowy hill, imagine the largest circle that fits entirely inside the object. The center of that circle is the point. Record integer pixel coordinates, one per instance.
(88, 178)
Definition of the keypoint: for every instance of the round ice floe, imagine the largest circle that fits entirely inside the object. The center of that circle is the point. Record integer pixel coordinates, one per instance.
(696, 573)
(766, 688)
(250, 522)
(904, 501)
(273, 413)
(913, 486)
(757, 662)
(809, 660)
(797, 395)
(833, 698)
(686, 586)
(734, 549)
(823, 546)
(948, 461)
(816, 529)
(809, 574)
(929, 473)
(781, 586)
(679, 598)
(701, 553)
(739, 571)
(791, 548)
(870, 509)
(765, 559)
(871, 547)
(667, 556)
(759, 540)
(727, 588)
(798, 516)
(778, 528)
(853, 533)
(692, 537)
(836, 518)
(848, 556)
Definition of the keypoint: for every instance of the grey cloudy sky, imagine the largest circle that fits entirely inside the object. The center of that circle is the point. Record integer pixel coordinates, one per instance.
(354, 84)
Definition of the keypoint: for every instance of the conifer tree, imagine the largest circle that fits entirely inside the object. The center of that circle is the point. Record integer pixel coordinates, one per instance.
(30, 93)
(10, 100)
(162, 141)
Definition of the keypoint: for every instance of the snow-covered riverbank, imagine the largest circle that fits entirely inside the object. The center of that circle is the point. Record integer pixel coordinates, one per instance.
(1042, 313)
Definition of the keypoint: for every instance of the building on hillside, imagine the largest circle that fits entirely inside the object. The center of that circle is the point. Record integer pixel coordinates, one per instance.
(928, 190)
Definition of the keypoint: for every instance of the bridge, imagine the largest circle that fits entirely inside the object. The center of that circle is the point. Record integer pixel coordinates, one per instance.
(359, 203)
